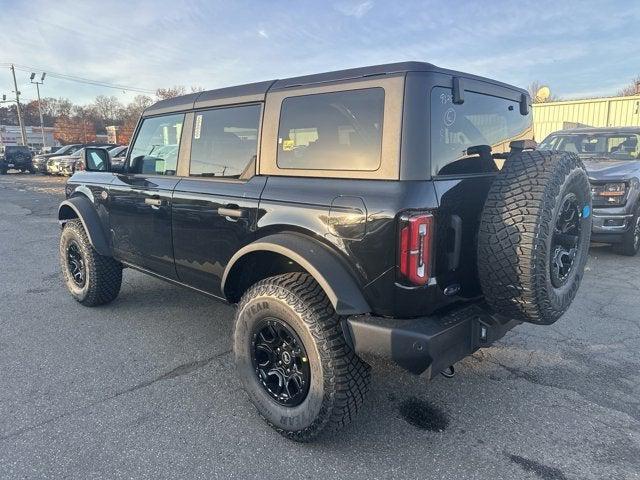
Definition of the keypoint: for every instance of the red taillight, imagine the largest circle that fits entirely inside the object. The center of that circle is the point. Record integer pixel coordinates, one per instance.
(416, 235)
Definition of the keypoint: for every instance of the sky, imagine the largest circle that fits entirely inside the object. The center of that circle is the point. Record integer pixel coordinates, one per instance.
(578, 48)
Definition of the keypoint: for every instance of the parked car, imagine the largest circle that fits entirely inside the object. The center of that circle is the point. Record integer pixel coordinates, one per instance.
(43, 162)
(65, 164)
(612, 158)
(118, 155)
(394, 212)
(16, 157)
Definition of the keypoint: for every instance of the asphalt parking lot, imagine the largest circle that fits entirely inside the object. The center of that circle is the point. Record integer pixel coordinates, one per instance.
(145, 388)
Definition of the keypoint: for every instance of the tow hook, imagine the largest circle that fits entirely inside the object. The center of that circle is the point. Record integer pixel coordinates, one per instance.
(448, 372)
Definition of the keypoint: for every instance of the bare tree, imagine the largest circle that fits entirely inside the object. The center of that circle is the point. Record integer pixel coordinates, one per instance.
(56, 107)
(137, 106)
(107, 109)
(171, 92)
(632, 88)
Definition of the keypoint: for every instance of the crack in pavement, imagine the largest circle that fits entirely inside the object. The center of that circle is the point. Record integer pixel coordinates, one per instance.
(622, 407)
(176, 372)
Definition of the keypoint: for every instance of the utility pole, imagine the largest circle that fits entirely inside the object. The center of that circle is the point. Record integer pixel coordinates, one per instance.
(33, 75)
(23, 132)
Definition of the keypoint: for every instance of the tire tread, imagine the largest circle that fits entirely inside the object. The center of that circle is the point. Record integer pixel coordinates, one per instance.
(346, 376)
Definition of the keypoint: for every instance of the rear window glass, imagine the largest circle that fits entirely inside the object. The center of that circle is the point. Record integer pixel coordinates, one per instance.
(485, 122)
(332, 131)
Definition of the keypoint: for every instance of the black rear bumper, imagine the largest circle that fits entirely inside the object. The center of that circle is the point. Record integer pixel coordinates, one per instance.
(430, 344)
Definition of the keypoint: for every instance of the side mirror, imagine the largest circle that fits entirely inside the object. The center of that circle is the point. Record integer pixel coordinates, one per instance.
(96, 160)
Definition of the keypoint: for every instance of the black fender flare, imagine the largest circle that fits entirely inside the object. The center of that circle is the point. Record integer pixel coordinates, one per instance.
(82, 208)
(319, 261)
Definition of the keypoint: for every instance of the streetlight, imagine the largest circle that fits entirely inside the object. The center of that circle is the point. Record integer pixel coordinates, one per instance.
(37, 84)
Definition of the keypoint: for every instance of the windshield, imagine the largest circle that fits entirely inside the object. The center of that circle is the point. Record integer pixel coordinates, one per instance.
(118, 151)
(18, 148)
(66, 149)
(484, 122)
(614, 146)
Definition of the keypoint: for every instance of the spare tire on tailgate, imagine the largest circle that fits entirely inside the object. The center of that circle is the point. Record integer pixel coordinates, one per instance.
(534, 236)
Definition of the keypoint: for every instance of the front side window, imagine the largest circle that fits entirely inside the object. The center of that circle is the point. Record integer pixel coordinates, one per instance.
(225, 142)
(155, 151)
(464, 136)
(332, 131)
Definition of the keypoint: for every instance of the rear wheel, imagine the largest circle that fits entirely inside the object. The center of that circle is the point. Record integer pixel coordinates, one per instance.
(630, 244)
(92, 279)
(534, 236)
(293, 360)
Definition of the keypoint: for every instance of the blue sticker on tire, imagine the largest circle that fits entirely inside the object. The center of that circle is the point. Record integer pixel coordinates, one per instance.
(586, 211)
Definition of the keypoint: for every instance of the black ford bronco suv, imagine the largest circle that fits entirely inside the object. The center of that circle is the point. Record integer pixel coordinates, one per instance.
(16, 157)
(391, 212)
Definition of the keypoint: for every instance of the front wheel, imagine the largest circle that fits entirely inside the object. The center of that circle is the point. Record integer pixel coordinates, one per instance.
(91, 278)
(293, 360)
(630, 244)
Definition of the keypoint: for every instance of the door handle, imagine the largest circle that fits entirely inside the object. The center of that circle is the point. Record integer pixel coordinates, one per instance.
(153, 201)
(232, 211)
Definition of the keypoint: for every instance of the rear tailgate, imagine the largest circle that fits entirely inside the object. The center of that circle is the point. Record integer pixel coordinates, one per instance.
(461, 202)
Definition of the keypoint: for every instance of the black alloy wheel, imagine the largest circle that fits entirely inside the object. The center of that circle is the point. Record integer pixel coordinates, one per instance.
(76, 264)
(280, 362)
(566, 240)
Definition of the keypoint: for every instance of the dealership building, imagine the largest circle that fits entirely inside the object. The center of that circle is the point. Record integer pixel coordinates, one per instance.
(591, 112)
(10, 135)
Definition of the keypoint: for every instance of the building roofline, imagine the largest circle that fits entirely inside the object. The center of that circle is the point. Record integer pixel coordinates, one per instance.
(583, 100)
(570, 131)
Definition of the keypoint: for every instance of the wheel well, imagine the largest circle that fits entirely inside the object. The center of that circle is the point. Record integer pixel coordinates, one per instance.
(252, 268)
(66, 213)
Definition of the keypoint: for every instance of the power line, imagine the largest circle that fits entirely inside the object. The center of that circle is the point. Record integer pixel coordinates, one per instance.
(73, 78)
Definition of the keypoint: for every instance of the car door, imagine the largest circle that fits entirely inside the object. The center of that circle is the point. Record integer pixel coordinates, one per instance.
(215, 207)
(140, 199)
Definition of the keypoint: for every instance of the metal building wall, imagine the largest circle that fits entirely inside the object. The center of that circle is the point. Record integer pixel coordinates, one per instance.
(593, 112)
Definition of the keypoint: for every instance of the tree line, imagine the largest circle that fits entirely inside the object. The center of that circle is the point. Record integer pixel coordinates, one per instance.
(81, 123)
(534, 88)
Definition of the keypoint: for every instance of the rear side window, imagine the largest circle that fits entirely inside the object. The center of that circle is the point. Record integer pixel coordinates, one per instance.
(464, 136)
(155, 151)
(332, 131)
(225, 142)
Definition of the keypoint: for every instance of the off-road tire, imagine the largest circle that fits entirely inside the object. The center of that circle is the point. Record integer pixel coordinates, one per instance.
(630, 244)
(339, 379)
(516, 235)
(103, 274)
